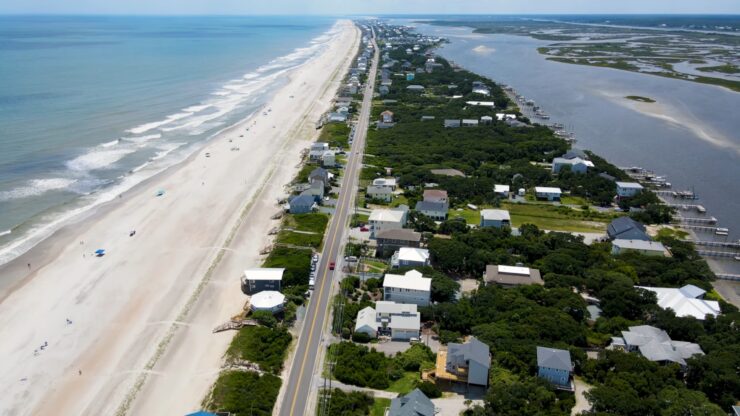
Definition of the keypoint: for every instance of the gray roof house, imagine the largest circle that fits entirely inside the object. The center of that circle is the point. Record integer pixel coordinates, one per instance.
(473, 356)
(302, 204)
(555, 366)
(655, 345)
(625, 228)
(319, 175)
(434, 210)
(412, 404)
(415, 88)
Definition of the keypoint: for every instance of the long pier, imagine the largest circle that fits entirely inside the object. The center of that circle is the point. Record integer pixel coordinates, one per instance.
(700, 228)
(711, 253)
(730, 245)
(726, 276)
(710, 220)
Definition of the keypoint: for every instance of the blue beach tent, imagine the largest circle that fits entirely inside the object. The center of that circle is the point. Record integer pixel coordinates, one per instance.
(201, 413)
(100, 252)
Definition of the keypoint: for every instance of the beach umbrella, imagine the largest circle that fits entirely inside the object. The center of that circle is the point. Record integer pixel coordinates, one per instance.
(160, 192)
(99, 252)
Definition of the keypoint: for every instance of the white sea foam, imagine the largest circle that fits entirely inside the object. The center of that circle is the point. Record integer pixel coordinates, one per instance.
(155, 124)
(6, 232)
(98, 158)
(141, 139)
(111, 143)
(165, 150)
(36, 187)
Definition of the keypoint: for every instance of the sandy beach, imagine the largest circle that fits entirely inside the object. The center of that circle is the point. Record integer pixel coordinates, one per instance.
(130, 332)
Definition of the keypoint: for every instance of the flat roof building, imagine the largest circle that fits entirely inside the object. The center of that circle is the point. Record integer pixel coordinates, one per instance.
(511, 276)
(262, 278)
(411, 287)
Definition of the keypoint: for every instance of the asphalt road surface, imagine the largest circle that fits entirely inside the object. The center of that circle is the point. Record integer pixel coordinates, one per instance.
(298, 386)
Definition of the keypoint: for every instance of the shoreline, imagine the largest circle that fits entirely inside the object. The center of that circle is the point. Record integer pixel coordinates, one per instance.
(139, 292)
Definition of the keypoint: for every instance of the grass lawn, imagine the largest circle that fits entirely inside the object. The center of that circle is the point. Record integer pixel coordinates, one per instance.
(379, 406)
(470, 216)
(374, 266)
(264, 346)
(405, 384)
(336, 134)
(296, 262)
(556, 218)
(300, 239)
(304, 172)
(399, 200)
(573, 200)
(307, 222)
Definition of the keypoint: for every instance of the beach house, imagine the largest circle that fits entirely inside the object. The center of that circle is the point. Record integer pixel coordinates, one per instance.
(386, 116)
(464, 363)
(387, 182)
(410, 257)
(415, 403)
(320, 175)
(486, 120)
(383, 193)
(328, 159)
(261, 279)
(646, 247)
(628, 189)
(411, 287)
(437, 211)
(555, 366)
(302, 204)
(386, 219)
(625, 228)
(390, 241)
(495, 218)
(655, 345)
(512, 276)
(576, 165)
(547, 193)
(415, 88)
(396, 320)
(685, 301)
(317, 150)
(451, 124)
(268, 301)
(435, 195)
(502, 190)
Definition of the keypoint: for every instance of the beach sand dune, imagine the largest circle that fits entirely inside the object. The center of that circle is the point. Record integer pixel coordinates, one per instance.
(131, 330)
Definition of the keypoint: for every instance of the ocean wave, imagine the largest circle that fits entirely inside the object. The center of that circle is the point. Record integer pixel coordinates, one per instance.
(156, 124)
(98, 158)
(36, 187)
(141, 139)
(247, 89)
(6, 232)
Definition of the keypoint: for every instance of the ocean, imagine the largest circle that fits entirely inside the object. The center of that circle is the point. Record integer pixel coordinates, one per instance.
(697, 146)
(90, 106)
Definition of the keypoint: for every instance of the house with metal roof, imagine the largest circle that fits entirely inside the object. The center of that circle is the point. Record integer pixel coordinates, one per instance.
(411, 287)
(263, 278)
(412, 404)
(548, 193)
(435, 195)
(576, 165)
(655, 345)
(628, 189)
(648, 248)
(382, 193)
(396, 320)
(410, 257)
(555, 366)
(501, 190)
(498, 218)
(386, 219)
(434, 210)
(468, 363)
(685, 301)
(512, 276)
(302, 204)
(625, 228)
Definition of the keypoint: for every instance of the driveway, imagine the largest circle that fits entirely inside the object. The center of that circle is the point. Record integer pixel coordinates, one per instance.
(582, 404)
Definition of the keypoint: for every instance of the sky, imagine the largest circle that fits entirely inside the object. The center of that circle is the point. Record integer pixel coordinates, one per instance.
(373, 7)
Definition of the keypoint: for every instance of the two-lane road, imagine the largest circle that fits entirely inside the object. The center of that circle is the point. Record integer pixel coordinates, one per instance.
(298, 388)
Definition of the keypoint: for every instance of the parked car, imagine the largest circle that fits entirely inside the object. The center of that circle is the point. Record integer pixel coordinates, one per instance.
(364, 229)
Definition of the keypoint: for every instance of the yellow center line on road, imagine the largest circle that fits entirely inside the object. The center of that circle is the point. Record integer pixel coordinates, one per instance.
(338, 223)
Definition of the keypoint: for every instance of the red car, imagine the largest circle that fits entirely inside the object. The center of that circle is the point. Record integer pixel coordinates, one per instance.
(332, 265)
(364, 229)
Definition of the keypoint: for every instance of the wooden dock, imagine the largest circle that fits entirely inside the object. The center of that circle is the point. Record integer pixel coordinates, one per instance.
(235, 324)
(730, 245)
(710, 220)
(726, 276)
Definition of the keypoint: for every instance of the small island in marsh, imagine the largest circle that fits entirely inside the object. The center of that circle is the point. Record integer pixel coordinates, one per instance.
(640, 99)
